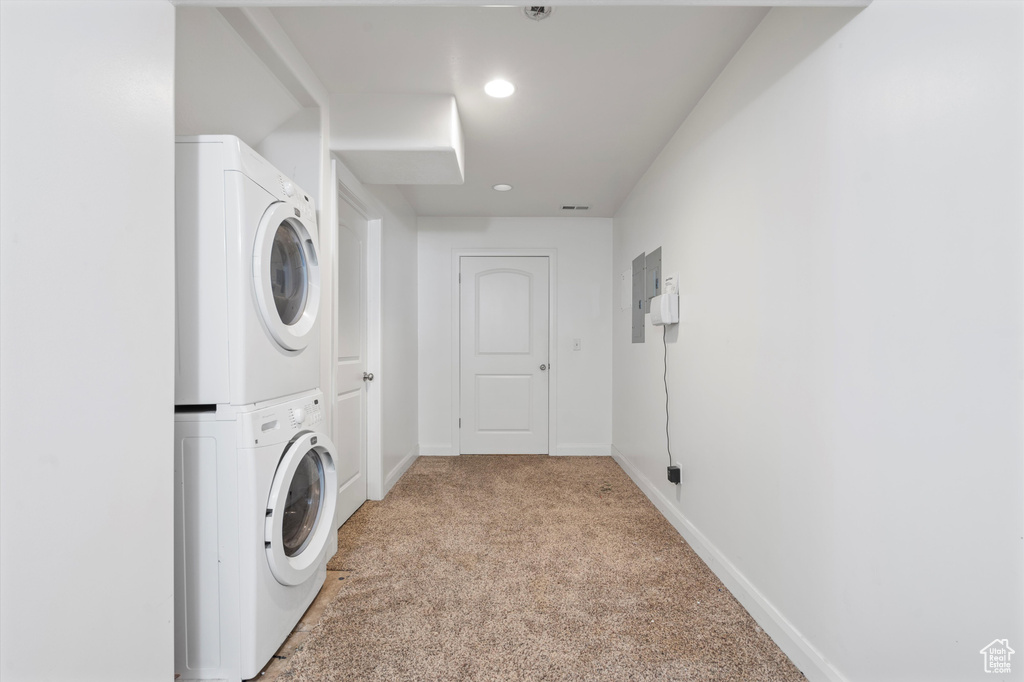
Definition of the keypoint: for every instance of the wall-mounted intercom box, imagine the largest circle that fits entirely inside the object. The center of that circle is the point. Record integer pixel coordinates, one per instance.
(665, 309)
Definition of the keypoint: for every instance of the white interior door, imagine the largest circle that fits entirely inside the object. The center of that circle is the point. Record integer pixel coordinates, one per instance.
(350, 388)
(504, 354)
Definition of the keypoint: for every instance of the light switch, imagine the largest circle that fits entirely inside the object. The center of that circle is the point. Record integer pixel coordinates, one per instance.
(577, 344)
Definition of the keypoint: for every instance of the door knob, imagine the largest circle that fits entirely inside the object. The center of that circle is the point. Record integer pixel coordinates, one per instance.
(367, 376)
(543, 367)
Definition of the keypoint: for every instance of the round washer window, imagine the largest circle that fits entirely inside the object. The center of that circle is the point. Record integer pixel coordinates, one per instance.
(302, 506)
(288, 273)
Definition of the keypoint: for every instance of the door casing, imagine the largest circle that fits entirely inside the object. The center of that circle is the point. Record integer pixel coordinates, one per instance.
(348, 401)
(342, 192)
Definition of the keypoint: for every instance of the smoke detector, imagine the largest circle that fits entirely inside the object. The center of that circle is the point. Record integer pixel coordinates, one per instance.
(537, 12)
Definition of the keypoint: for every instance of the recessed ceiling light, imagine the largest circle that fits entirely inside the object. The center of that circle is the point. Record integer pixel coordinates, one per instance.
(499, 88)
(503, 188)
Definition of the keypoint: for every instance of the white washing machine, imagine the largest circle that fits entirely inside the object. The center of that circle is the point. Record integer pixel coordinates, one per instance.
(255, 495)
(248, 277)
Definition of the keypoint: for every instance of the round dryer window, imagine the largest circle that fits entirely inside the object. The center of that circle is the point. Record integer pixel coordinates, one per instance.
(286, 275)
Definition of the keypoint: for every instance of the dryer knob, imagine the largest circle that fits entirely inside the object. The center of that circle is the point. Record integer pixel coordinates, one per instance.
(289, 189)
(300, 415)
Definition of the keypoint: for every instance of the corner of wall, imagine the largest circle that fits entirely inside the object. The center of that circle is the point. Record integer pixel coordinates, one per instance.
(400, 469)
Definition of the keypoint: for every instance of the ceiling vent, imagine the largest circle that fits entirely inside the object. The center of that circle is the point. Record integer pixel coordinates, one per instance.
(575, 208)
(537, 12)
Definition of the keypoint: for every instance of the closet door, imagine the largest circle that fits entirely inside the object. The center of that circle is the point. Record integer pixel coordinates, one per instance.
(504, 354)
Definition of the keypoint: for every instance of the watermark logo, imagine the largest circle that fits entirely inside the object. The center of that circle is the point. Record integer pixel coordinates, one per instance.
(997, 656)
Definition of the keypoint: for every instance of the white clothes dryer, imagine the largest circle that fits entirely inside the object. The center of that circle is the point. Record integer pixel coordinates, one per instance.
(248, 277)
(255, 496)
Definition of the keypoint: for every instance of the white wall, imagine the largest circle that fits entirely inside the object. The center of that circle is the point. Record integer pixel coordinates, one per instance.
(296, 149)
(844, 209)
(583, 301)
(86, 340)
(222, 87)
(398, 376)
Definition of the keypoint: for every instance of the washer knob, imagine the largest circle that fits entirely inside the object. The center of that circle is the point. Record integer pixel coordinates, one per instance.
(289, 189)
(300, 415)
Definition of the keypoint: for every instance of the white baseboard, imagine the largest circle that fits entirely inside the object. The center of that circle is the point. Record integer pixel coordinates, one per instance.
(804, 655)
(402, 467)
(561, 450)
(442, 449)
(582, 450)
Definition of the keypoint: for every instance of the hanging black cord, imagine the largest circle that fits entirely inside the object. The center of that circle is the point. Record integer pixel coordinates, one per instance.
(668, 440)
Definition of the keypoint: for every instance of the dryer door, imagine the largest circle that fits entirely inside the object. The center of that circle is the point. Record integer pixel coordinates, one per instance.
(300, 509)
(286, 275)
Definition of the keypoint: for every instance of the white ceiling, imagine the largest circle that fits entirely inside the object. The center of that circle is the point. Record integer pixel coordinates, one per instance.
(600, 90)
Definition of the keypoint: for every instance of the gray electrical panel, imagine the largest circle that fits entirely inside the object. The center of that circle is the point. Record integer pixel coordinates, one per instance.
(652, 277)
(639, 297)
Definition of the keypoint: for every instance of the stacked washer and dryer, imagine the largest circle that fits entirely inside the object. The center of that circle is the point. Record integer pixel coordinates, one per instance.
(255, 479)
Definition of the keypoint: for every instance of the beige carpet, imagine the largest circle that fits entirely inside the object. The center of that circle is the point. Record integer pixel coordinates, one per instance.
(527, 568)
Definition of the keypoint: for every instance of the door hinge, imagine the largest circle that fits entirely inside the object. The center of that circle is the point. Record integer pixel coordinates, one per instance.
(460, 422)
(460, 278)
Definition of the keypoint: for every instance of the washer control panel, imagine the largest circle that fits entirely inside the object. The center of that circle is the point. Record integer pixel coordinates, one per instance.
(306, 415)
(278, 423)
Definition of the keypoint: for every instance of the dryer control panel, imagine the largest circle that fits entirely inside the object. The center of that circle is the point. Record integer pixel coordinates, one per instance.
(298, 198)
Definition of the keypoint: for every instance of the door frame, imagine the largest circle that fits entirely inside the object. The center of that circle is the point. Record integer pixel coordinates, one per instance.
(552, 256)
(342, 192)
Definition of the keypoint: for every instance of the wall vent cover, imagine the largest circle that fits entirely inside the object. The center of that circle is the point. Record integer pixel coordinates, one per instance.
(575, 208)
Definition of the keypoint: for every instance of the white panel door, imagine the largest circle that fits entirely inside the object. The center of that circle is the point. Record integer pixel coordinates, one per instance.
(504, 354)
(349, 404)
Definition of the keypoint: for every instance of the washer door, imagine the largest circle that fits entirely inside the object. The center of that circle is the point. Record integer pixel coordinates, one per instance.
(300, 511)
(286, 275)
